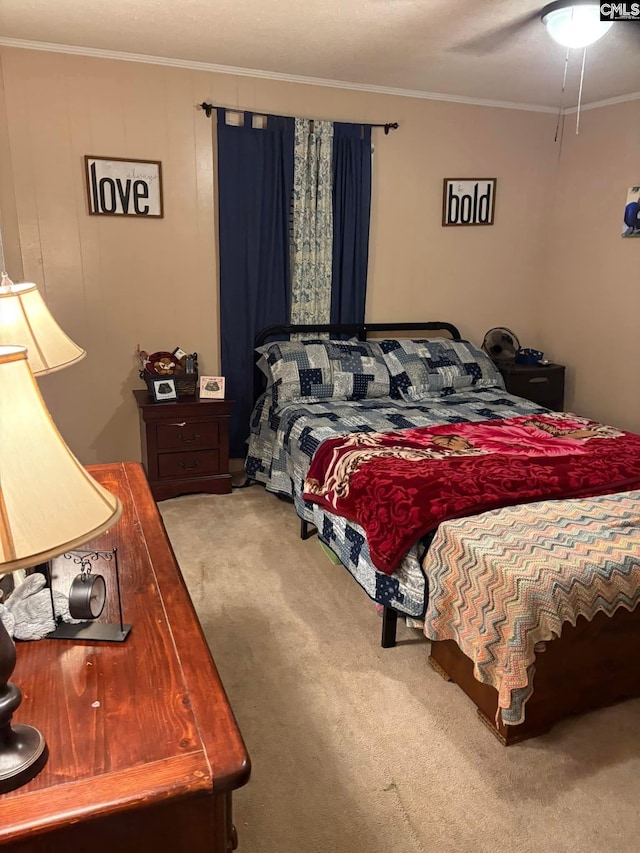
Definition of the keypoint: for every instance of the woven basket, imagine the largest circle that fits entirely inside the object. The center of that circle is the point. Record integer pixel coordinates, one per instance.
(186, 383)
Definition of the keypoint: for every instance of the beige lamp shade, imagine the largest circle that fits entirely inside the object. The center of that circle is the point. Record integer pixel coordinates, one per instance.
(26, 321)
(49, 503)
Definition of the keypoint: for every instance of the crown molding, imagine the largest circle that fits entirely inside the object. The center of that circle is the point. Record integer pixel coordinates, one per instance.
(98, 53)
(193, 65)
(607, 102)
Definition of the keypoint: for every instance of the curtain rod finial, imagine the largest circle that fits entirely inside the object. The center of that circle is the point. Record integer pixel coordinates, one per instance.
(208, 108)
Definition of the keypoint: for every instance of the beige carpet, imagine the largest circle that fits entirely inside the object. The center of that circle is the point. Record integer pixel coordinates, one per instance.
(358, 749)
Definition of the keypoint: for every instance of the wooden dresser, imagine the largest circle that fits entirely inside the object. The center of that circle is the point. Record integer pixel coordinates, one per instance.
(185, 445)
(144, 750)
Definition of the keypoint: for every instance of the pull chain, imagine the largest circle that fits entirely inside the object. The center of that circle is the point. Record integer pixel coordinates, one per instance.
(5, 281)
(2, 266)
(584, 59)
(564, 85)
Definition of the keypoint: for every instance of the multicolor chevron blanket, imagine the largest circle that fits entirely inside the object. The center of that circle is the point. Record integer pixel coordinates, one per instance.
(400, 485)
(506, 580)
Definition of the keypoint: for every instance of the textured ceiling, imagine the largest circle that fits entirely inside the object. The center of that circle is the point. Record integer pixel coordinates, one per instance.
(413, 45)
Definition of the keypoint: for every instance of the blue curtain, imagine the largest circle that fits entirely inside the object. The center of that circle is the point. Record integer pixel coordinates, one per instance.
(351, 214)
(255, 182)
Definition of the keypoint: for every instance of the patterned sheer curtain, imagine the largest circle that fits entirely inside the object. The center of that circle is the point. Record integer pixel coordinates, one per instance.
(312, 222)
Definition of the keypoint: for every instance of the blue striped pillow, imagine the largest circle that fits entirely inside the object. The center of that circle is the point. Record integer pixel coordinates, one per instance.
(436, 367)
(317, 370)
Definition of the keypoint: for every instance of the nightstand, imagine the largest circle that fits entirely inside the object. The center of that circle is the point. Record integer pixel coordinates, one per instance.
(185, 445)
(540, 383)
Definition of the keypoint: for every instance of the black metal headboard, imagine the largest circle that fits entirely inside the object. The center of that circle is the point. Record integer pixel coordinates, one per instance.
(361, 331)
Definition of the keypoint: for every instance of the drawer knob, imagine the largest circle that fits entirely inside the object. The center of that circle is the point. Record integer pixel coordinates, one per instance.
(195, 436)
(188, 467)
(538, 379)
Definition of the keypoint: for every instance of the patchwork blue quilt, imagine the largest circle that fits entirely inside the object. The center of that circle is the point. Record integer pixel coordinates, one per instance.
(284, 438)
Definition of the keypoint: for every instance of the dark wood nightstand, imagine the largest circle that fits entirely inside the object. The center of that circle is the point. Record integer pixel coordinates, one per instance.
(540, 383)
(185, 445)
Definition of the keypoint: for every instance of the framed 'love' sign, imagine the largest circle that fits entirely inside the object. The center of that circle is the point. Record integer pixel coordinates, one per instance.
(119, 187)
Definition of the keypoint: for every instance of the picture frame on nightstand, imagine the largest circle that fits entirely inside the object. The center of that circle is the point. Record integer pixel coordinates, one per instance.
(163, 389)
(212, 387)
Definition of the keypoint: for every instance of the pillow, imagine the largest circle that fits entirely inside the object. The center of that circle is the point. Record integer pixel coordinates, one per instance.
(436, 367)
(358, 370)
(317, 370)
(297, 370)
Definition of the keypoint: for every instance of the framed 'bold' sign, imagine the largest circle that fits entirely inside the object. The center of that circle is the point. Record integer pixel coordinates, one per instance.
(468, 201)
(118, 187)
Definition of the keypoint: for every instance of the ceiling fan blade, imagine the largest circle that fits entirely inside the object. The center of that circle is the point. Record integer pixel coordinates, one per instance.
(631, 31)
(494, 39)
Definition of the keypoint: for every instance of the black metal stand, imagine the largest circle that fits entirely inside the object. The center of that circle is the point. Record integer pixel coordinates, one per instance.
(248, 482)
(389, 623)
(305, 533)
(89, 630)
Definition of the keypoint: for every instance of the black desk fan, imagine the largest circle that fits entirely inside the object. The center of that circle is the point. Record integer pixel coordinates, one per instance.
(501, 345)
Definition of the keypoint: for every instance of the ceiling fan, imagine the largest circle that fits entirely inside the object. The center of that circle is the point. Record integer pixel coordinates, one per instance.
(572, 23)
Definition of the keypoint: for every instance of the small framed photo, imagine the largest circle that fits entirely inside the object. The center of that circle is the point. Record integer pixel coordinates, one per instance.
(164, 389)
(212, 387)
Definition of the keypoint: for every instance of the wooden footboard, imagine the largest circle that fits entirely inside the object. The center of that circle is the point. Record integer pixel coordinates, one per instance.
(590, 666)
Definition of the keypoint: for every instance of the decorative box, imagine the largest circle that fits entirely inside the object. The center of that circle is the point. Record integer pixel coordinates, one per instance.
(526, 355)
(186, 383)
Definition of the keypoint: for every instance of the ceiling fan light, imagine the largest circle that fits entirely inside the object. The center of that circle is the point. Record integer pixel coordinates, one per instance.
(576, 26)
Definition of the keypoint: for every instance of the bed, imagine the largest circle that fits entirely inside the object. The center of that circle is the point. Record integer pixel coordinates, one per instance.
(284, 437)
(353, 385)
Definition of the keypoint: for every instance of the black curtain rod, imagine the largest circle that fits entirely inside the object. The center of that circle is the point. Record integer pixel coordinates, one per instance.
(209, 108)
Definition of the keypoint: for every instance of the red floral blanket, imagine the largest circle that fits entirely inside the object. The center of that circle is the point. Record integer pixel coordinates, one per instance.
(399, 485)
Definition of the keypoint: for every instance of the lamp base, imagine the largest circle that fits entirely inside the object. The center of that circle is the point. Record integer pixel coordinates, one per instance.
(23, 754)
(23, 751)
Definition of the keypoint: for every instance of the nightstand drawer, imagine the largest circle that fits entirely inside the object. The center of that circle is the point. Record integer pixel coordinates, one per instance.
(200, 463)
(538, 387)
(542, 384)
(188, 435)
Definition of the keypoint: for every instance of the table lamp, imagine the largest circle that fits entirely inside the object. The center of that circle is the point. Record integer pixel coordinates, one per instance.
(26, 321)
(49, 504)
